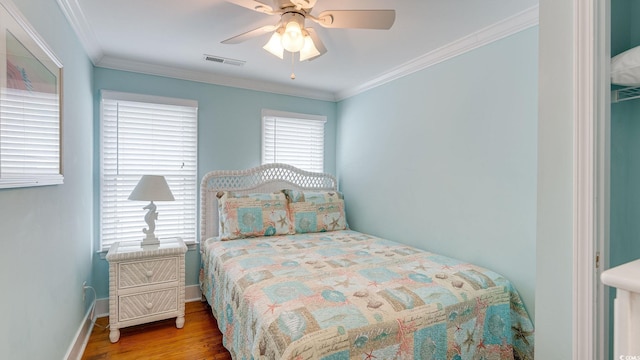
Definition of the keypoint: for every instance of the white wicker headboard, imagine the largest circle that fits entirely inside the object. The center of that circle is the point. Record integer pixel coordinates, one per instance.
(265, 178)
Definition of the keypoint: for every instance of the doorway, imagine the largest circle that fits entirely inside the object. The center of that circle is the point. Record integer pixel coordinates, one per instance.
(624, 171)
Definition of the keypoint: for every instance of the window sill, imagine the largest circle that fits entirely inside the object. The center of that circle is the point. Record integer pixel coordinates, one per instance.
(44, 180)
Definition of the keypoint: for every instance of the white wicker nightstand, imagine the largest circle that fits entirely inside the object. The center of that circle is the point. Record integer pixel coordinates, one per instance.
(145, 284)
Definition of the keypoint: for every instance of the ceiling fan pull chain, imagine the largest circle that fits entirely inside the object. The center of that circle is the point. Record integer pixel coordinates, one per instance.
(293, 75)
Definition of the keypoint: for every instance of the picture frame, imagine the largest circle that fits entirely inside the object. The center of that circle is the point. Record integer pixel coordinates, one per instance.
(31, 104)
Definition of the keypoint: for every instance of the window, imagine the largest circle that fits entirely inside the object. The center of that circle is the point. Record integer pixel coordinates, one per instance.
(147, 135)
(30, 107)
(29, 139)
(294, 139)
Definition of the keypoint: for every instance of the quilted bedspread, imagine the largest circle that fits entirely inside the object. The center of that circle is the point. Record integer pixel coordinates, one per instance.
(348, 295)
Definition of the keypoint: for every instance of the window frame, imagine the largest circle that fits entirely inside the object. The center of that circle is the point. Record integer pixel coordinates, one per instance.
(267, 113)
(152, 99)
(32, 42)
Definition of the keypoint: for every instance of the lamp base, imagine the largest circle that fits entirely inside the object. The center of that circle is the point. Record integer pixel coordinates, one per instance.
(150, 241)
(150, 218)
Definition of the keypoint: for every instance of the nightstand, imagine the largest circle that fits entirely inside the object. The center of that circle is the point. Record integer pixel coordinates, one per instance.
(146, 283)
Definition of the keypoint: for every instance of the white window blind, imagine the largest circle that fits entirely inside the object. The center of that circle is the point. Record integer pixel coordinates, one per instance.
(144, 135)
(29, 138)
(294, 139)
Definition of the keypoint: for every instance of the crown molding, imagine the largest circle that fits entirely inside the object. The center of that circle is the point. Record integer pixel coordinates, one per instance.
(72, 11)
(500, 30)
(514, 24)
(211, 78)
(18, 17)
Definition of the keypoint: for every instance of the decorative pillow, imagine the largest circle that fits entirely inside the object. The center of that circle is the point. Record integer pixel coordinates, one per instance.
(309, 217)
(316, 211)
(252, 215)
(315, 197)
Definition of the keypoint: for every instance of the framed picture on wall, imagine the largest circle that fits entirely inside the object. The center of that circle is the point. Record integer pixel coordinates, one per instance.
(30, 105)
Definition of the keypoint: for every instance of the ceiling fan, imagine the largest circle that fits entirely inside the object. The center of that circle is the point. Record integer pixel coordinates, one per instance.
(291, 34)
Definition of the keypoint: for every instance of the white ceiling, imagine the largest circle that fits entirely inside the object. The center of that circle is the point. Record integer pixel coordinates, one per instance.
(170, 37)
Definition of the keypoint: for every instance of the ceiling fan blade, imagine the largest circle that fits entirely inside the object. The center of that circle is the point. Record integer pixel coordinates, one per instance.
(250, 34)
(317, 42)
(253, 5)
(357, 19)
(304, 4)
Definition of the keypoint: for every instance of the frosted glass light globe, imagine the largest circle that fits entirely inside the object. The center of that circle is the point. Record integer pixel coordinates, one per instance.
(292, 39)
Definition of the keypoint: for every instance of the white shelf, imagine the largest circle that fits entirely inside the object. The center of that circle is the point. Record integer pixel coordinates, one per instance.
(628, 93)
(625, 277)
(626, 308)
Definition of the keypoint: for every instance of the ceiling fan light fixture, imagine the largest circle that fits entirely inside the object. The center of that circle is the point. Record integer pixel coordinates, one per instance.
(292, 39)
(274, 45)
(291, 34)
(309, 50)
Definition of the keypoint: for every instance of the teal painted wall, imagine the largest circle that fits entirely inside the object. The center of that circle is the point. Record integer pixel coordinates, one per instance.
(625, 146)
(625, 182)
(46, 232)
(229, 131)
(49, 232)
(445, 159)
(624, 244)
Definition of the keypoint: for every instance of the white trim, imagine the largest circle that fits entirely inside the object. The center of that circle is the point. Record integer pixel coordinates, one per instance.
(306, 151)
(192, 293)
(29, 180)
(500, 30)
(109, 62)
(124, 96)
(76, 349)
(40, 180)
(80, 25)
(102, 307)
(585, 179)
(31, 31)
(292, 115)
(507, 27)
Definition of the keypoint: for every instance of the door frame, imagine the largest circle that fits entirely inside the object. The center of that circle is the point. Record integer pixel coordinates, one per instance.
(591, 121)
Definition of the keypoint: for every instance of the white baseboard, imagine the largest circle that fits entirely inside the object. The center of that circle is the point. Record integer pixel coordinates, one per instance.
(191, 293)
(76, 349)
(102, 308)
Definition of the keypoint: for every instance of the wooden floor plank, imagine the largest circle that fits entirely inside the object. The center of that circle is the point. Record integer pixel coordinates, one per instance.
(198, 339)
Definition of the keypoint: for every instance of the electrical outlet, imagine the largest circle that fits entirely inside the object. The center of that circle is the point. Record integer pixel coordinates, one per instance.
(84, 291)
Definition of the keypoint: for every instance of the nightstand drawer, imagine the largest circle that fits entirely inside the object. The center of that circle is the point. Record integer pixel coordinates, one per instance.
(146, 304)
(147, 272)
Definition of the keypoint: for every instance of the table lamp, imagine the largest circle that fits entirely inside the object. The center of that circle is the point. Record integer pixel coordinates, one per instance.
(151, 188)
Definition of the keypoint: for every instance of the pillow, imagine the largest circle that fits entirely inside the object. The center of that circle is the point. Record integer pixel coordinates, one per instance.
(315, 197)
(252, 215)
(625, 68)
(316, 211)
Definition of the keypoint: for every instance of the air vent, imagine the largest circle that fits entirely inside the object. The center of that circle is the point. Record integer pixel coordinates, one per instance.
(221, 60)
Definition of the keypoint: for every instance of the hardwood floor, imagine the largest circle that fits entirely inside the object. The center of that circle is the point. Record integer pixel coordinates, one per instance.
(198, 339)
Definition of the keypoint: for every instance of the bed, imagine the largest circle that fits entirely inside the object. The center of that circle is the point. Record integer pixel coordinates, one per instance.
(294, 282)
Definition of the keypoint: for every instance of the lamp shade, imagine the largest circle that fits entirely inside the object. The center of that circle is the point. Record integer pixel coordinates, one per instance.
(152, 188)
(309, 50)
(274, 45)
